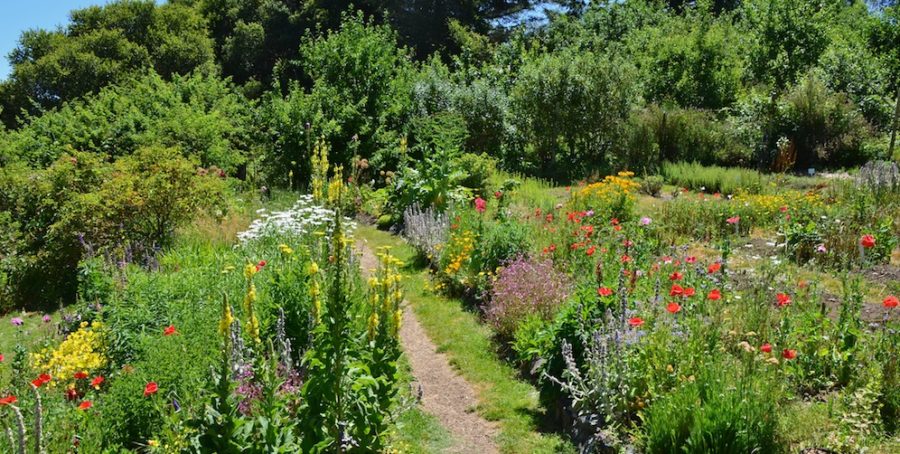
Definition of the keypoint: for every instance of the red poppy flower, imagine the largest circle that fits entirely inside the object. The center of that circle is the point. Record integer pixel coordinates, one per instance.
(891, 302)
(635, 321)
(97, 381)
(549, 217)
(674, 308)
(614, 221)
(675, 276)
(480, 205)
(628, 243)
(617, 228)
(590, 251)
(676, 290)
(71, 394)
(552, 247)
(783, 299)
(713, 267)
(783, 208)
(690, 259)
(169, 330)
(8, 400)
(867, 241)
(498, 194)
(85, 405)
(81, 375)
(261, 263)
(733, 220)
(151, 389)
(42, 380)
(689, 292)
(626, 258)
(766, 348)
(604, 291)
(714, 295)
(1, 357)
(788, 353)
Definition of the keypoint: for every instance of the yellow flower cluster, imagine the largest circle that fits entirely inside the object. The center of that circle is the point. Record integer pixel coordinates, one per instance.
(249, 300)
(335, 187)
(607, 192)
(315, 291)
(462, 244)
(285, 250)
(319, 167)
(385, 296)
(770, 205)
(82, 351)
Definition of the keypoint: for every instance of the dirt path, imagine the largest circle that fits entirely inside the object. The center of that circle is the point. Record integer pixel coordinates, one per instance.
(445, 394)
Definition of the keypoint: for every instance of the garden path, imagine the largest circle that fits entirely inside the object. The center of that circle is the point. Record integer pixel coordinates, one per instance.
(444, 393)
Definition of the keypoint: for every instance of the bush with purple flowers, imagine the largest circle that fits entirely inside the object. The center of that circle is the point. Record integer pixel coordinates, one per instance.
(524, 287)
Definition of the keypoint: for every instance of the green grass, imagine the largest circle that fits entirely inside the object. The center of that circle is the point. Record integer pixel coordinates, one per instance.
(503, 398)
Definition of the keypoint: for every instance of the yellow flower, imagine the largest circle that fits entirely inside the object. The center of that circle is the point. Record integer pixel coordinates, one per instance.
(313, 268)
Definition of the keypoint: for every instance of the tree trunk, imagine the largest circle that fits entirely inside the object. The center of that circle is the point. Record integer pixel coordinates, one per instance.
(894, 127)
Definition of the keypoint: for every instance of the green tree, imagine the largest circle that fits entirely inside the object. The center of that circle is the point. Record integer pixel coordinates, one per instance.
(102, 46)
(789, 38)
(885, 39)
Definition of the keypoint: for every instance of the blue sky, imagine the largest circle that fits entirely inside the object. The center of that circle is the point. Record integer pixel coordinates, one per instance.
(17, 16)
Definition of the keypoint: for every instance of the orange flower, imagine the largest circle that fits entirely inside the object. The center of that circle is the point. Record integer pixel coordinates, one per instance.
(85, 405)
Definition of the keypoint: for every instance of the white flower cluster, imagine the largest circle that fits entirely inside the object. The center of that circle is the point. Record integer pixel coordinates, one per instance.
(303, 218)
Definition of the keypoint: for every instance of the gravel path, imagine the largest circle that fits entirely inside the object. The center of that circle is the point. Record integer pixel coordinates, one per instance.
(445, 394)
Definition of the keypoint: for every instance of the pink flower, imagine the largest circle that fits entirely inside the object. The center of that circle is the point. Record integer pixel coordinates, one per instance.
(733, 220)
(480, 205)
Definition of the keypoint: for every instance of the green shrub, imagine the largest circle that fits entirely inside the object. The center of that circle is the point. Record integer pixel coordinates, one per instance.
(569, 110)
(712, 179)
(125, 211)
(480, 168)
(500, 243)
(652, 185)
(675, 134)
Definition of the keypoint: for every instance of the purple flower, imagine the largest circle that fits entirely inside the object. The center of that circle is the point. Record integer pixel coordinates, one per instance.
(645, 220)
(46, 318)
(589, 213)
(17, 321)
(821, 249)
(523, 288)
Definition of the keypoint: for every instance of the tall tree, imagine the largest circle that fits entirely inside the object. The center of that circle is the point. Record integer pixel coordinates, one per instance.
(885, 39)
